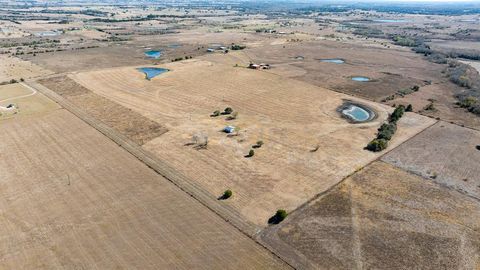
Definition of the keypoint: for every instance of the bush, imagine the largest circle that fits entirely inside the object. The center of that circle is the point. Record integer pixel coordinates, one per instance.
(227, 194)
(233, 116)
(397, 114)
(279, 216)
(228, 110)
(386, 131)
(258, 145)
(251, 153)
(468, 102)
(377, 145)
(215, 113)
(409, 108)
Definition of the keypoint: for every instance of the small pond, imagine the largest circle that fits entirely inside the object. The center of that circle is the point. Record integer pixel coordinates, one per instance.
(151, 72)
(333, 60)
(360, 79)
(153, 54)
(357, 113)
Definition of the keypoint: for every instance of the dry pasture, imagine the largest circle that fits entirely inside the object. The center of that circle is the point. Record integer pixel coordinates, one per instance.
(73, 199)
(15, 68)
(383, 218)
(444, 153)
(290, 117)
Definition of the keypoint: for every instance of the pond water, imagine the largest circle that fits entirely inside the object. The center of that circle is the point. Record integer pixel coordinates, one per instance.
(390, 20)
(334, 60)
(153, 54)
(151, 72)
(356, 113)
(360, 79)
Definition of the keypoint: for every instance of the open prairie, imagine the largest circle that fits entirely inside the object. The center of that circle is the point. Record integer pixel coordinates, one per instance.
(73, 199)
(444, 153)
(292, 119)
(362, 224)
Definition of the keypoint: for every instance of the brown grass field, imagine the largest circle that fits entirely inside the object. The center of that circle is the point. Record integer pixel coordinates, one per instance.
(289, 116)
(444, 153)
(14, 68)
(73, 199)
(383, 218)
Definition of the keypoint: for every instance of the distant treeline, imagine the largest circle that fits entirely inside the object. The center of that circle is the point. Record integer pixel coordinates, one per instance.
(405, 8)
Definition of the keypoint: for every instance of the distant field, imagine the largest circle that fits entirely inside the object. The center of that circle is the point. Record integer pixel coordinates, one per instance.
(76, 200)
(291, 118)
(446, 154)
(383, 218)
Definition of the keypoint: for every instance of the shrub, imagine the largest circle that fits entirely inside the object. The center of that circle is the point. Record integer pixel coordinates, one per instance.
(215, 113)
(259, 144)
(468, 102)
(227, 194)
(429, 107)
(233, 116)
(228, 110)
(386, 131)
(251, 153)
(415, 88)
(279, 216)
(377, 145)
(397, 114)
(409, 108)
(236, 47)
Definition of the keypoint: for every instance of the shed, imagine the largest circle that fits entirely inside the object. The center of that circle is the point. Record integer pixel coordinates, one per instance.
(229, 129)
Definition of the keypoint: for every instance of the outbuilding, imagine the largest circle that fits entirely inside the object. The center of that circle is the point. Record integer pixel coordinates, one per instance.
(229, 129)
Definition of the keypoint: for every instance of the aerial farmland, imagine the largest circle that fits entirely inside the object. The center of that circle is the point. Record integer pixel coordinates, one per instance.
(242, 135)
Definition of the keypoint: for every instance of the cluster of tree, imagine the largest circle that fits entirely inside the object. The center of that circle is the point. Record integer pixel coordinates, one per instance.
(181, 58)
(386, 131)
(236, 47)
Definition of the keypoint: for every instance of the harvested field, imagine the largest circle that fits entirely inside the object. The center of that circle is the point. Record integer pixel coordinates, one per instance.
(25, 101)
(76, 200)
(444, 153)
(291, 118)
(126, 121)
(383, 218)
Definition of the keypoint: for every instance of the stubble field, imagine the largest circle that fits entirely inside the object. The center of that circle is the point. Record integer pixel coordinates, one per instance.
(76, 200)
